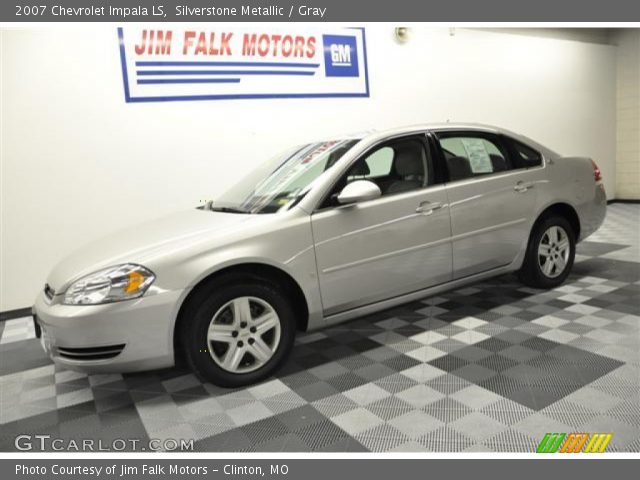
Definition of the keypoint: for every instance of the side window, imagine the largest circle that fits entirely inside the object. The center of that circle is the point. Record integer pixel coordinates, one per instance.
(396, 167)
(526, 157)
(380, 162)
(469, 156)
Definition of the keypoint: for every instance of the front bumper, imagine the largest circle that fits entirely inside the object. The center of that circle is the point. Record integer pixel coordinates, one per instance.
(119, 337)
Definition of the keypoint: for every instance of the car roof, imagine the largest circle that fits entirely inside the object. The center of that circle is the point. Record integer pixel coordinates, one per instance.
(429, 126)
(373, 136)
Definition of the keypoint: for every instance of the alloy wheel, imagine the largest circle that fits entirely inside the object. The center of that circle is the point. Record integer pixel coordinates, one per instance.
(244, 334)
(553, 251)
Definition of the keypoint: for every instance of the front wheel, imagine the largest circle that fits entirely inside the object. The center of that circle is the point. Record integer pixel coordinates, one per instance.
(238, 334)
(550, 253)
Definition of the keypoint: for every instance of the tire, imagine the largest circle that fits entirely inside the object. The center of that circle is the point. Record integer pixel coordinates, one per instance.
(540, 270)
(226, 330)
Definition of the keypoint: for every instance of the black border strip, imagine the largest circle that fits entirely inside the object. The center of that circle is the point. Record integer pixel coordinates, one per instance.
(17, 313)
(333, 11)
(623, 200)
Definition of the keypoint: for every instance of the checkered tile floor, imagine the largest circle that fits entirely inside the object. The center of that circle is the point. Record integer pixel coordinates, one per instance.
(491, 367)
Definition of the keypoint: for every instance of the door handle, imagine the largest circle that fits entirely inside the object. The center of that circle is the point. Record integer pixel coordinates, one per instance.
(522, 187)
(427, 208)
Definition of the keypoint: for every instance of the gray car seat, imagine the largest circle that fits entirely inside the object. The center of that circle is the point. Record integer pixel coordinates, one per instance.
(409, 165)
(498, 163)
(459, 168)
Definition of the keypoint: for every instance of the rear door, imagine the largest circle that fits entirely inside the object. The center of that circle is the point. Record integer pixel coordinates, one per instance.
(491, 200)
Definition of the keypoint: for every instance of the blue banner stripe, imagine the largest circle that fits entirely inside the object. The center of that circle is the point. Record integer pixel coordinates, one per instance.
(244, 96)
(223, 72)
(151, 81)
(224, 64)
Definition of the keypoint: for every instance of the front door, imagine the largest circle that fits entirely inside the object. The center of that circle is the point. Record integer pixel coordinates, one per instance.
(389, 246)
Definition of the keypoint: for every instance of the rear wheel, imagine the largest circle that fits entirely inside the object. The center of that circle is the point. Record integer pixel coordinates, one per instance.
(237, 332)
(550, 253)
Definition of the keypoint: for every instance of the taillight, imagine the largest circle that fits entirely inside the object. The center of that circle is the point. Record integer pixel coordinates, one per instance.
(596, 171)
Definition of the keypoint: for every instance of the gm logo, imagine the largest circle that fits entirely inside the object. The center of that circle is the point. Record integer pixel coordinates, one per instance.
(340, 56)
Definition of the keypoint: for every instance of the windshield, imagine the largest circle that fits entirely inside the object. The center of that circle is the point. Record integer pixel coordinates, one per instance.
(282, 182)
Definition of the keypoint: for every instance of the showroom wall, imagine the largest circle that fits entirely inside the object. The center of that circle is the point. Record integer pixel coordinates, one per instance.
(78, 162)
(628, 114)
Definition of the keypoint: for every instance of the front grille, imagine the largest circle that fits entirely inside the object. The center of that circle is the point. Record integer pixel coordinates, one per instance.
(49, 292)
(91, 353)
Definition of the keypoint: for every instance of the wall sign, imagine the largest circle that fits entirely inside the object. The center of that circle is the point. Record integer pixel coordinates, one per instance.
(227, 62)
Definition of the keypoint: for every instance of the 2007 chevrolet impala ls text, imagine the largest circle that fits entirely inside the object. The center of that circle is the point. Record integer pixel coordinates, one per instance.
(324, 233)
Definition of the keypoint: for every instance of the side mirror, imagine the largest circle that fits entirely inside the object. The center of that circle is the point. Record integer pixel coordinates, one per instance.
(359, 191)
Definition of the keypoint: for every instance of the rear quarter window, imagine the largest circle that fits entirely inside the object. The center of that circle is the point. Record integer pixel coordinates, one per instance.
(525, 156)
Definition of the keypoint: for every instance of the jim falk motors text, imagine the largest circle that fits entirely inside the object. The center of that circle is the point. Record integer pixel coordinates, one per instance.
(163, 42)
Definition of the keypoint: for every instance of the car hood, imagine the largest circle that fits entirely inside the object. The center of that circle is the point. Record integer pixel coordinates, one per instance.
(145, 243)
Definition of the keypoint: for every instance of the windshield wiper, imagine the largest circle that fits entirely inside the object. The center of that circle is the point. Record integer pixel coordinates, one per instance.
(221, 208)
(225, 209)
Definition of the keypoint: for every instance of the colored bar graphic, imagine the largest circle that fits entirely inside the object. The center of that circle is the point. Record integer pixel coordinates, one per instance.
(581, 442)
(550, 443)
(574, 442)
(598, 443)
(543, 443)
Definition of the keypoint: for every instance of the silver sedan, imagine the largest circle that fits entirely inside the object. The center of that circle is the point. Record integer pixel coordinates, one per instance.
(324, 233)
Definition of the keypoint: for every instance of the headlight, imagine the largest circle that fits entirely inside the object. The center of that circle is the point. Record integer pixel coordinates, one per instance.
(112, 284)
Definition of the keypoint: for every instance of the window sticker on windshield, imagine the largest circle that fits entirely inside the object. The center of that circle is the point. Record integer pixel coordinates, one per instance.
(318, 150)
(301, 163)
(304, 161)
(478, 155)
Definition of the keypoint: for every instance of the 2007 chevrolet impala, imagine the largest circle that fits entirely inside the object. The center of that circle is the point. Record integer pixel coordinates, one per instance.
(328, 232)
